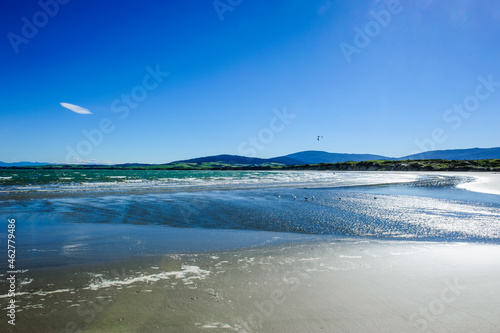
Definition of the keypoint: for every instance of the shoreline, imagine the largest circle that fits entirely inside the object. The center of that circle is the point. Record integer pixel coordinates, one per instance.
(326, 284)
(90, 228)
(408, 177)
(488, 183)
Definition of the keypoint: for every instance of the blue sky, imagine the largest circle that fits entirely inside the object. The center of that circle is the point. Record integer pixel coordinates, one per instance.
(256, 78)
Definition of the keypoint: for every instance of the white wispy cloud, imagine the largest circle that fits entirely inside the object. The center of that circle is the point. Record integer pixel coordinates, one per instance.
(75, 108)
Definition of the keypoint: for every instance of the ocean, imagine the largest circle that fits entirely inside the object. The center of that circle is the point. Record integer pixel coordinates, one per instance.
(17, 181)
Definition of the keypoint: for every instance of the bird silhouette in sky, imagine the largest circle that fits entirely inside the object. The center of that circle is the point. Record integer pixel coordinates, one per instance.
(319, 136)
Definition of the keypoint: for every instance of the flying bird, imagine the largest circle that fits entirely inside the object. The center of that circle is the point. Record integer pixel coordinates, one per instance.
(75, 108)
(319, 136)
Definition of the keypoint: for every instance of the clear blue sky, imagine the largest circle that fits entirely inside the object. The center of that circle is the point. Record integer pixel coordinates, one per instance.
(231, 66)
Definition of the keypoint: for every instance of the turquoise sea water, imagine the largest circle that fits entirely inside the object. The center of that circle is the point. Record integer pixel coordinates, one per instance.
(76, 181)
(67, 176)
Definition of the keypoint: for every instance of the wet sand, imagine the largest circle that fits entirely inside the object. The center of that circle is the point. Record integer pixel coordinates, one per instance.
(329, 286)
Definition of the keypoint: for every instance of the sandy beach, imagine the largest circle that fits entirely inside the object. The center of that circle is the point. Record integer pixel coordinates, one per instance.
(330, 286)
(485, 182)
(306, 282)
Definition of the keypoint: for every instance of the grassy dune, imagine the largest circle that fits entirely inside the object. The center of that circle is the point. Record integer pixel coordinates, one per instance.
(374, 165)
(409, 165)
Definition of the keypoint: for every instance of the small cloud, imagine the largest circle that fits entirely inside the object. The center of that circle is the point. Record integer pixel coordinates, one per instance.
(75, 108)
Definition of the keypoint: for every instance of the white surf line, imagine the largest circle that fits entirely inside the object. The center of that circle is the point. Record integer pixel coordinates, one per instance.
(40, 293)
(187, 274)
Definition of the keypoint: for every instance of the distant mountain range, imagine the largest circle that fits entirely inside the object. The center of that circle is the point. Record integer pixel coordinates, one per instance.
(315, 157)
(457, 154)
(242, 160)
(311, 157)
(5, 164)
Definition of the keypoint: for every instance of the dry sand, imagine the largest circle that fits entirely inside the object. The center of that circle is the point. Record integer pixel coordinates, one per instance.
(485, 182)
